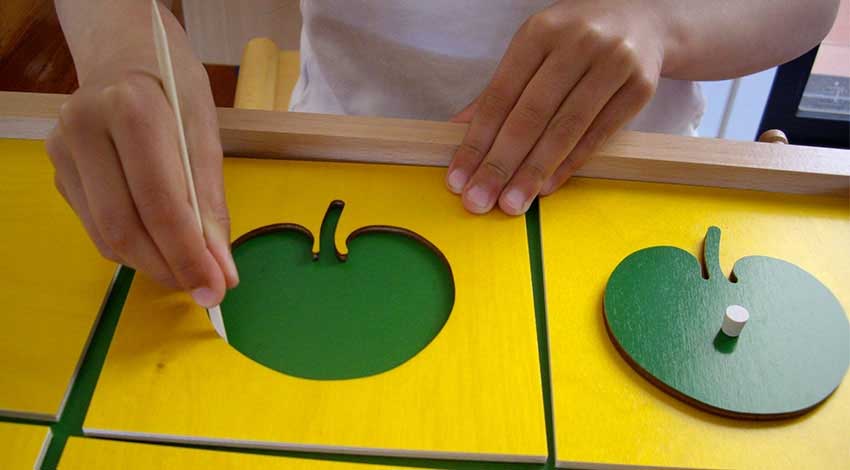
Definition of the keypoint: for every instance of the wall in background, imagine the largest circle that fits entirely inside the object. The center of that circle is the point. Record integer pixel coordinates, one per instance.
(733, 111)
(219, 29)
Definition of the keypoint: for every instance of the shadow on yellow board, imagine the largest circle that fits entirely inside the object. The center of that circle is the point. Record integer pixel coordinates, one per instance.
(607, 414)
(99, 454)
(54, 283)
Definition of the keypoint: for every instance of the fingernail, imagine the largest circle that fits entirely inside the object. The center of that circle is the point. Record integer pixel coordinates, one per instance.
(457, 180)
(204, 297)
(232, 271)
(516, 201)
(548, 187)
(480, 198)
(219, 245)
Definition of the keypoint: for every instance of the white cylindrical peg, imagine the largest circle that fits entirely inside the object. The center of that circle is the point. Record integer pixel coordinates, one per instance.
(734, 320)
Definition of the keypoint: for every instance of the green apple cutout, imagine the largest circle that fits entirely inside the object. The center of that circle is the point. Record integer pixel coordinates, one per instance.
(326, 317)
(664, 312)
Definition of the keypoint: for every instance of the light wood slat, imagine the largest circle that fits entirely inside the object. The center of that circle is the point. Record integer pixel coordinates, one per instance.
(629, 155)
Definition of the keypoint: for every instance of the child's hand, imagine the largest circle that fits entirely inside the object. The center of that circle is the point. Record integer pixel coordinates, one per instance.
(573, 74)
(115, 150)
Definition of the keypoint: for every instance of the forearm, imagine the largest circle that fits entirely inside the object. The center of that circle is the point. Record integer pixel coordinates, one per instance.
(102, 31)
(715, 40)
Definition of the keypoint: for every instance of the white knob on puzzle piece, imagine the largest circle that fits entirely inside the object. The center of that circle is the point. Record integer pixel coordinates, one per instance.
(734, 320)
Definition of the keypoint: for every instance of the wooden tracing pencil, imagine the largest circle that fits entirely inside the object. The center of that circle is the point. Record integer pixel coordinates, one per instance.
(166, 73)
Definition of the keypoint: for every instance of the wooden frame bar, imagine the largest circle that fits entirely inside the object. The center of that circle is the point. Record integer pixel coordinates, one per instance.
(628, 155)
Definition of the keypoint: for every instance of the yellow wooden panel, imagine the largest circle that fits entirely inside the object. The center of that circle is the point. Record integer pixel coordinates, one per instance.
(605, 413)
(54, 283)
(22, 446)
(100, 454)
(474, 391)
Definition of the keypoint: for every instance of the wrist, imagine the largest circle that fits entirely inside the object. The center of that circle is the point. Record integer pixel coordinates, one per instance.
(672, 29)
(107, 34)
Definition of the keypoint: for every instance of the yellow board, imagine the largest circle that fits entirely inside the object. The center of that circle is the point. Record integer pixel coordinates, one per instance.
(100, 454)
(53, 284)
(22, 446)
(473, 392)
(605, 413)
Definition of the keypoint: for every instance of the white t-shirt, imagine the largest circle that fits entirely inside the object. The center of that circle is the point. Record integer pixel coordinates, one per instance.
(422, 59)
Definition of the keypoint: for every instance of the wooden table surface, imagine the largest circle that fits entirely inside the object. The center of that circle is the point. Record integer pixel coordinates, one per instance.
(34, 56)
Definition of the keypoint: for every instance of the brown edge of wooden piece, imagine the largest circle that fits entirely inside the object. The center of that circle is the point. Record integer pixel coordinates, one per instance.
(288, 226)
(634, 156)
(693, 401)
(703, 263)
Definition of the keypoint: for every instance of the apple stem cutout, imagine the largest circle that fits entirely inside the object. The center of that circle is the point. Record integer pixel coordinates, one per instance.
(326, 316)
(662, 309)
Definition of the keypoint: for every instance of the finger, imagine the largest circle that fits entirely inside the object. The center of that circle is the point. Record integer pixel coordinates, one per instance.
(516, 68)
(108, 198)
(467, 113)
(521, 130)
(67, 182)
(207, 158)
(145, 134)
(622, 107)
(564, 130)
(75, 196)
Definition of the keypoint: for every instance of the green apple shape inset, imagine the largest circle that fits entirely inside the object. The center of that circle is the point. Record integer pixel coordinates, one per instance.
(664, 313)
(327, 317)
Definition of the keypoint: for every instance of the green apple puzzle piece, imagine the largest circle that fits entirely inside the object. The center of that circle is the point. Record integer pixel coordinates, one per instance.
(325, 317)
(663, 312)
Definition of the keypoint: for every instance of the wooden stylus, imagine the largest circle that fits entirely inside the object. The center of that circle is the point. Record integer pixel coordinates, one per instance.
(166, 73)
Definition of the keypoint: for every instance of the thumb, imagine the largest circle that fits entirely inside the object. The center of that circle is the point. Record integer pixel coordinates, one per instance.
(466, 114)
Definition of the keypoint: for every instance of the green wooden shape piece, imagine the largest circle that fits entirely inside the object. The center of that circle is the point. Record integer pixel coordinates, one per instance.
(664, 312)
(322, 317)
